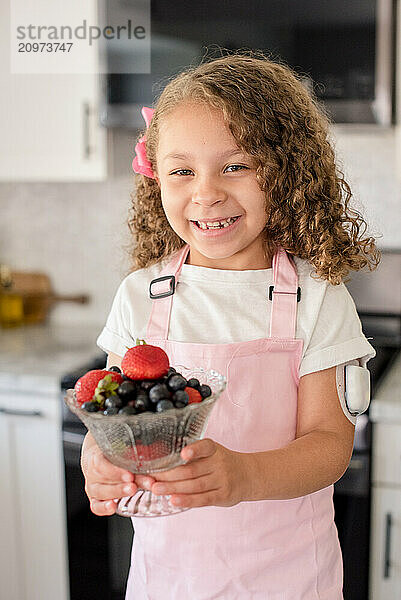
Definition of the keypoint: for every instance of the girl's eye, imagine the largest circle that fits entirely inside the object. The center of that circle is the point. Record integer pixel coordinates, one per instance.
(236, 167)
(181, 171)
(188, 171)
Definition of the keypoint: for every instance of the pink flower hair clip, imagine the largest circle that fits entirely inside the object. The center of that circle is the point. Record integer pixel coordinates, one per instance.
(141, 164)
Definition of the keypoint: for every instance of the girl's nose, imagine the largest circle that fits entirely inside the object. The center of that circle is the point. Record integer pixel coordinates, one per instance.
(207, 193)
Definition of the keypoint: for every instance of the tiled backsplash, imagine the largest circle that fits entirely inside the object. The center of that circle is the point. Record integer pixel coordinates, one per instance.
(368, 155)
(77, 232)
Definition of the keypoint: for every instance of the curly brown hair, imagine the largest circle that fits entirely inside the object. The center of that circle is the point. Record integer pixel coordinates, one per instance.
(275, 119)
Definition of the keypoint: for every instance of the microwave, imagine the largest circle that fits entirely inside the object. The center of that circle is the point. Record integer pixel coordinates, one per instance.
(344, 50)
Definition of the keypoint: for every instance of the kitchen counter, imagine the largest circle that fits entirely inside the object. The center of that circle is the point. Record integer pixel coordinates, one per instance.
(386, 405)
(35, 357)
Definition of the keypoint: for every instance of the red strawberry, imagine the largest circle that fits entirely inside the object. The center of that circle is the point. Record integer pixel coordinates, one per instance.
(145, 453)
(154, 450)
(145, 362)
(87, 384)
(194, 395)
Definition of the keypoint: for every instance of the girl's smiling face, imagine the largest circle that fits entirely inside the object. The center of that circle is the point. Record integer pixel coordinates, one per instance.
(204, 176)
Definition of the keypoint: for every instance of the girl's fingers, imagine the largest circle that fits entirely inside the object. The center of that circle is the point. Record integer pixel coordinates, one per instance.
(108, 472)
(103, 509)
(102, 491)
(189, 471)
(144, 481)
(199, 449)
(105, 491)
(195, 500)
(189, 486)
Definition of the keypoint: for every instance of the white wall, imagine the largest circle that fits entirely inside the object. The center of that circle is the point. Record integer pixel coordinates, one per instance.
(76, 232)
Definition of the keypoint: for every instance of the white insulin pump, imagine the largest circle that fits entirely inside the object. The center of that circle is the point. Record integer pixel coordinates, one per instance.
(353, 388)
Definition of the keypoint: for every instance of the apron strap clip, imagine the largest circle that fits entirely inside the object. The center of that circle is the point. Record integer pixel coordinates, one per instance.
(271, 292)
(163, 294)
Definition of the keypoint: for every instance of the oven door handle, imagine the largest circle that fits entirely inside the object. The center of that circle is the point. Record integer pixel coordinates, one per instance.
(75, 439)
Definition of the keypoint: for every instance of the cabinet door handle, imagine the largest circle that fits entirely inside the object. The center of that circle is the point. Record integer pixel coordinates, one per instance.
(87, 146)
(387, 547)
(21, 413)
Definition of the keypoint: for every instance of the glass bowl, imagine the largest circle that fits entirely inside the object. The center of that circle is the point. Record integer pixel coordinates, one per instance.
(151, 442)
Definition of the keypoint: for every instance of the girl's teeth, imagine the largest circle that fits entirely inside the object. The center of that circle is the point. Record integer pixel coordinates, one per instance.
(216, 224)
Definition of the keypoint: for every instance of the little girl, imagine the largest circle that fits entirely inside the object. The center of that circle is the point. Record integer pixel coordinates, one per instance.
(240, 206)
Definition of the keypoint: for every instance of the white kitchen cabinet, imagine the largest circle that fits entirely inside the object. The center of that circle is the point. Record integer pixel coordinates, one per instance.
(385, 583)
(386, 466)
(49, 123)
(385, 541)
(398, 89)
(33, 547)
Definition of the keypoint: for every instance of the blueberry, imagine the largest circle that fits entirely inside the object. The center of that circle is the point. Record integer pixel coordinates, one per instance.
(146, 384)
(127, 391)
(179, 404)
(193, 383)
(177, 382)
(158, 392)
(127, 410)
(180, 396)
(111, 411)
(113, 402)
(171, 371)
(90, 406)
(115, 369)
(142, 402)
(163, 405)
(205, 391)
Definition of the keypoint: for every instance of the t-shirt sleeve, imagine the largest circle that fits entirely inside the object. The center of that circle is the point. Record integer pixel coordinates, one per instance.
(337, 335)
(115, 336)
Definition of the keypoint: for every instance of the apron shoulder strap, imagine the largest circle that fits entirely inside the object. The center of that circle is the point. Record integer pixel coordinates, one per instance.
(284, 294)
(161, 291)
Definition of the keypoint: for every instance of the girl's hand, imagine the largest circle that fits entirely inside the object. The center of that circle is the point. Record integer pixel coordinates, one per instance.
(213, 476)
(104, 482)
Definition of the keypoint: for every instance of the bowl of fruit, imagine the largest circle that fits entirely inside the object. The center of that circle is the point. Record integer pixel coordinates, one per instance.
(143, 414)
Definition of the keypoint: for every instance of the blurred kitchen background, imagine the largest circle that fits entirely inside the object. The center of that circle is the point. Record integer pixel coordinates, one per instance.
(66, 148)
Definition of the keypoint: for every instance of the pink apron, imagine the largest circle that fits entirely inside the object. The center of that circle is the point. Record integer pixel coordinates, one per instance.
(261, 550)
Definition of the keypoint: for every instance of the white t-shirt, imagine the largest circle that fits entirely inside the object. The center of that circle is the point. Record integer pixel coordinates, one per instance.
(219, 306)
